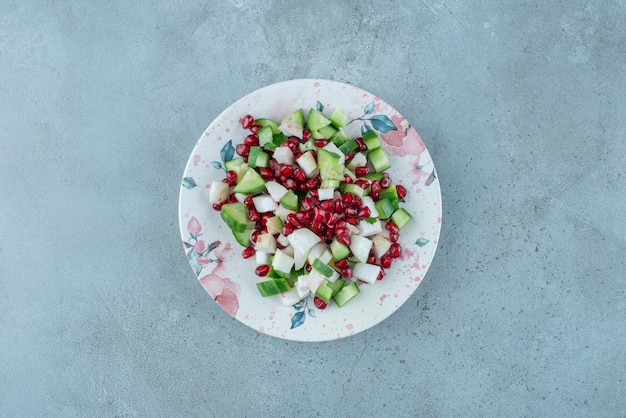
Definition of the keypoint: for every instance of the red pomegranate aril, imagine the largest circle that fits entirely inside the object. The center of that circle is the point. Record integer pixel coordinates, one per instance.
(395, 250)
(394, 236)
(303, 216)
(344, 239)
(374, 195)
(392, 227)
(346, 272)
(342, 263)
(266, 173)
(255, 235)
(262, 270)
(375, 187)
(308, 268)
(248, 252)
(349, 156)
(251, 140)
(340, 231)
(307, 203)
(347, 179)
(299, 175)
(232, 198)
(371, 259)
(321, 143)
(231, 177)
(352, 211)
(273, 164)
(247, 122)
(361, 144)
(351, 220)
(338, 206)
(218, 206)
(306, 134)
(281, 178)
(316, 226)
(385, 182)
(292, 219)
(255, 128)
(327, 205)
(361, 171)
(287, 229)
(385, 261)
(381, 274)
(347, 199)
(243, 150)
(313, 192)
(253, 215)
(302, 187)
(401, 190)
(319, 303)
(290, 184)
(364, 212)
(358, 202)
(363, 184)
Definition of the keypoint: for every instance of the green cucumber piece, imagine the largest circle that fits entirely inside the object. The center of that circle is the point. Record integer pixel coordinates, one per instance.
(346, 294)
(243, 238)
(384, 207)
(322, 268)
(298, 116)
(331, 171)
(235, 215)
(265, 136)
(238, 165)
(354, 189)
(327, 131)
(315, 120)
(371, 139)
(379, 159)
(401, 217)
(273, 287)
(339, 250)
(324, 291)
(264, 122)
(374, 176)
(339, 137)
(251, 183)
(349, 145)
(258, 157)
(278, 139)
(290, 200)
(392, 194)
(338, 118)
(330, 184)
(336, 286)
(326, 158)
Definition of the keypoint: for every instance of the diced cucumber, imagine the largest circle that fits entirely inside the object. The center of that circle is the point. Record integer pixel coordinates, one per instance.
(322, 268)
(265, 136)
(354, 189)
(374, 176)
(315, 120)
(346, 294)
(339, 137)
(251, 183)
(327, 131)
(348, 145)
(401, 217)
(264, 122)
(325, 158)
(329, 184)
(384, 208)
(379, 159)
(243, 238)
(235, 215)
(324, 291)
(336, 286)
(338, 118)
(339, 250)
(290, 200)
(258, 157)
(331, 171)
(298, 116)
(238, 165)
(273, 287)
(371, 139)
(392, 194)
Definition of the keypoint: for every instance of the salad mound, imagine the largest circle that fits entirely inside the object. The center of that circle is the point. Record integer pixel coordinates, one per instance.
(316, 209)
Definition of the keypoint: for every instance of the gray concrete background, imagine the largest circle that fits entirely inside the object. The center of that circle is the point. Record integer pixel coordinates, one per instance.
(522, 106)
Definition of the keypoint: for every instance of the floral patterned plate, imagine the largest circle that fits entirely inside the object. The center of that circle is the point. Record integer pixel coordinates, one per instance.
(215, 256)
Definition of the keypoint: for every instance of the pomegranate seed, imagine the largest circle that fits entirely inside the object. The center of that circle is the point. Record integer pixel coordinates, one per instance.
(363, 184)
(243, 150)
(247, 122)
(302, 187)
(342, 263)
(338, 206)
(401, 190)
(306, 134)
(266, 173)
(313, 192)
(362, 146)
(349, 156)
(347, 179)
(290, 184)
(316, 226)
(361, 171)
(351, 220)
(374, 195)
(287, 171)
(251, 140)
(307, 203)
(303, 217)
(321, 143)
(364, 212)
(358, 202)
(385, 261)
(347, 199)
(255, 128)
(395, 250)
(346, 272)
(299, 176)
(255, 235)
(344, 239)
(381, 274)
(318, 215)
(375, 186)
(262, 270)
(231, 177)
(218, 206)
(319, 303)
(248, 252)
(273, 164)
(385, 182)
(371, 259)
(392, 227)
(308, 268)
(352, 211)
(292, 219)
(232, 198)
(394, 236)
(327, 204)
(253, 215)
(340, 231)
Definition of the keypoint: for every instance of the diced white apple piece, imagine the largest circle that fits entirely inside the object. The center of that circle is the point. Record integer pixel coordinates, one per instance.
(282, 212)
(262, 258)
(276, 190)
(240, 197)
(324, 193)
(333, 148)
(219, 192)
(299, 258)
(282, 262)
(354, 230)
(291, 128)
(326, 256)
(360, 247)
(274, 225)
(381, 245)
(282, 240)
(266, 243)
(302, 286)
(316, 251)
(369, 202)
(283, 155)
(308, 164)
(359, 160)
(290, 297)
(303, 239)
(315, 278)
(264, 203)
(288, 250)
(366, 272)
(367, 229)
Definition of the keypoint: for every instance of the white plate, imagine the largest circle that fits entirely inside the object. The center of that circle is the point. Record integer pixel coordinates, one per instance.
(215, 256)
